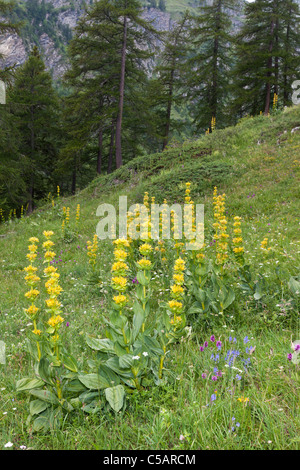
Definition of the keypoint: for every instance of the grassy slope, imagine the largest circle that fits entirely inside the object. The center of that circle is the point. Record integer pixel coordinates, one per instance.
(257, 165)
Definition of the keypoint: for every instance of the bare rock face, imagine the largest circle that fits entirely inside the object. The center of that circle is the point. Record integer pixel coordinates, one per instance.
(54, 61)
(13, 50)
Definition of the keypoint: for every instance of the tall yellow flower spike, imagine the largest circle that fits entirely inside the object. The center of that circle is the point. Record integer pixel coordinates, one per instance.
(53, 290)
(32, 280)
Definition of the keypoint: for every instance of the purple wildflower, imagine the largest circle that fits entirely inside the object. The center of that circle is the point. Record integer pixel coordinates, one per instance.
(212, 338)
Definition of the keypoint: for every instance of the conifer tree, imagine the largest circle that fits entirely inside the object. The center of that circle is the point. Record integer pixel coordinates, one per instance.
(208, 72)
(34, 106)
(267, 55)
(170, 74)
(108, 55)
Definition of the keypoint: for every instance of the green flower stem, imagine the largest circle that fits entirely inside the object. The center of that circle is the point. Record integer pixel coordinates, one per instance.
(37, 343)
(161, 363)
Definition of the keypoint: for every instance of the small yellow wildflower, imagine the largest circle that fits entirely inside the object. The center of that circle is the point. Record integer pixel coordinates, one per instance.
(31, 256)
(36, 332)
(175, 306)
(30, 269)
(48, 233)
(120, 300)
(144, 263)
(55, 321)
(31, 311)
(34, 240)
(120, 255)
(145, 249)
(119, 283)
(119, 267)
(179, 265)
(48, 244)
(178, 278)
(49, 255)
(32, 294)
(53, 304)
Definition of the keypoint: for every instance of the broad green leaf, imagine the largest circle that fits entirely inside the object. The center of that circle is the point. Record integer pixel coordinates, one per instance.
(105, 344)
(109, 375)
(69, 362)
(75, 386)
(37, 406)
(126, 361)
(93, 381)
(296, 358)
(294, 286)
(113, 363)
(138, 320)
(28, 383)
(142, 278)
(229, 298)
(44, 370)
(45, 395)
(115, 397)
(41, 424)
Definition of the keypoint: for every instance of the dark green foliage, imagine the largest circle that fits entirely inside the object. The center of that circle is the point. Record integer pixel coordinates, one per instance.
(267, 56)
(93, 107)
(35, 113)
(207, 75)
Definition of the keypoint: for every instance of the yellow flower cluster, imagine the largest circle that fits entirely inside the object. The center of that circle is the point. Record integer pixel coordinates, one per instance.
(58, 192)
(237, 240)
(144, 263)
(220, 226)
(213, 123)
(275, 101)
(67, 216)
(92, 250)
(190, 216)
(77, 213)
(119, 270)
(264, 243)
(243, 399)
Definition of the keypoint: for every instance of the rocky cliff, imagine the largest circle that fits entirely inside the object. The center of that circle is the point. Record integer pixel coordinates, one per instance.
(49, 24)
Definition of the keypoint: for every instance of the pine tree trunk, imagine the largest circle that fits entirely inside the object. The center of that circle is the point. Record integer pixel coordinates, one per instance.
(111, 147)
(285, 66)
(121, 97)
(74, 177)
(99, 157)
(32, 146)
(214, 100)
(269, 72)
(169, 109)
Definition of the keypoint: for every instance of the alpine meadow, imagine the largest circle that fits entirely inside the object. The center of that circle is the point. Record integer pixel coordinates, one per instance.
(149, 227)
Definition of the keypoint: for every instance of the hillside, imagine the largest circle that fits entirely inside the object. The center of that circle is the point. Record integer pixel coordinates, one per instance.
(191, 403)
(255, 163)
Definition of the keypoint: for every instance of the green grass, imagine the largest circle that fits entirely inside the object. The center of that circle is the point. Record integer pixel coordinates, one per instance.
(256, 164)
